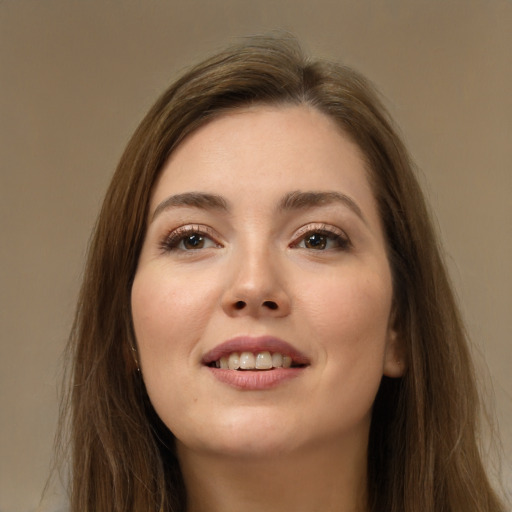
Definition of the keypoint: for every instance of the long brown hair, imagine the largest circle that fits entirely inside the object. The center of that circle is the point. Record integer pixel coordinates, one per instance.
(423, 454)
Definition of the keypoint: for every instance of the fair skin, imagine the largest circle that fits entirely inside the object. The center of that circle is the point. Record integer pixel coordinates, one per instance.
(263, 226)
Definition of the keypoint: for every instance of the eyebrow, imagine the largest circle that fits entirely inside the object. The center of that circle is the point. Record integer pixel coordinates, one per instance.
(298, 200)
(194, 199)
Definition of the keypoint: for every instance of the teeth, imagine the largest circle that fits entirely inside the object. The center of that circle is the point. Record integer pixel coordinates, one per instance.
(249, 361)
(234, 361)
(263, 361)
(277, 360)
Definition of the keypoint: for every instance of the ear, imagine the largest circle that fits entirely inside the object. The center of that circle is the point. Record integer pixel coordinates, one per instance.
(395, 360)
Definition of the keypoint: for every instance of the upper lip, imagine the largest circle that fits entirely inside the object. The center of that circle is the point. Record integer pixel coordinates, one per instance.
(255, 345)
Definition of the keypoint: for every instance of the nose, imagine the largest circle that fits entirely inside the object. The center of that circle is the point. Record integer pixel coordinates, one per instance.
(257, 287)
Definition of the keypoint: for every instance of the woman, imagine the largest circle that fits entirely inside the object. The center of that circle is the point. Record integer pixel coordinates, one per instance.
(265, 321)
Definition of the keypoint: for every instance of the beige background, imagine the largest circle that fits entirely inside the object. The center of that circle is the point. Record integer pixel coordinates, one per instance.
(76, 77)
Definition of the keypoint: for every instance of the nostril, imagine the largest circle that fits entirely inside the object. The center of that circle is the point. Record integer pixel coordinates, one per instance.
(270, 304)
(240, 304)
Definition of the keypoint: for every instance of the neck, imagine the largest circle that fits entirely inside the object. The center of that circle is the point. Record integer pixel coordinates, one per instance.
(319, 480)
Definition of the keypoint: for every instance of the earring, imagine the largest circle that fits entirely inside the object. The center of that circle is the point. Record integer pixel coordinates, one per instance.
(135, 358)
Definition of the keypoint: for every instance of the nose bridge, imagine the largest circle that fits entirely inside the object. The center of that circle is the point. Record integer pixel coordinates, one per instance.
(256, 269)
(256, 286)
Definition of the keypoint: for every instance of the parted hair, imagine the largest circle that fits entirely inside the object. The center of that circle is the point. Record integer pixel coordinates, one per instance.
(423, 454)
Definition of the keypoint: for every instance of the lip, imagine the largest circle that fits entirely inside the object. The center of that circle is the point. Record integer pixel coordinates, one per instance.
(255, 379)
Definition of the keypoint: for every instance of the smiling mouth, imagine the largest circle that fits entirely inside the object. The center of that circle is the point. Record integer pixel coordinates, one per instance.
(263, 360)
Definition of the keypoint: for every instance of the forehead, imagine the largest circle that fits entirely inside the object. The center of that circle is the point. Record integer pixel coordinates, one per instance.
(266, 151)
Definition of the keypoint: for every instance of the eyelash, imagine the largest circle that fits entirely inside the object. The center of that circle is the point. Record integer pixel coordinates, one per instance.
(171, 242)
(335, 235)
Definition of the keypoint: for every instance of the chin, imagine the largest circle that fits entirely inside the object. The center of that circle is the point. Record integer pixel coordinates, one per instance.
(243, 435)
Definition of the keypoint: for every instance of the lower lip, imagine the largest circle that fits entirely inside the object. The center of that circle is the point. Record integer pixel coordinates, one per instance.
(254, 380)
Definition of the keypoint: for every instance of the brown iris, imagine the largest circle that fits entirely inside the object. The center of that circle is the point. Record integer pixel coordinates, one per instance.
(315, 241)
(194, 241)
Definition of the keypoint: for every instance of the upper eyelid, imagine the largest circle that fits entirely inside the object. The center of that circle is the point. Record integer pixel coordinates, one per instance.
(175, 233)
(320, 226)
(193, 228)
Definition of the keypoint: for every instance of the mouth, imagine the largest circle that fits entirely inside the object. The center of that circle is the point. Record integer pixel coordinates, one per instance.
(263, 360)
(264, 353)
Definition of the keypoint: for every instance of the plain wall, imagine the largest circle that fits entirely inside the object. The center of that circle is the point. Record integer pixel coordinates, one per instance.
(76, 78)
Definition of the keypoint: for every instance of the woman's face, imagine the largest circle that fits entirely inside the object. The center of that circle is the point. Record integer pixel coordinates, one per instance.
(264, 255)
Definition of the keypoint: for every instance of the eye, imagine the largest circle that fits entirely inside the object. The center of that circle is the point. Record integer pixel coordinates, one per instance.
(321, 239)
(189, 238)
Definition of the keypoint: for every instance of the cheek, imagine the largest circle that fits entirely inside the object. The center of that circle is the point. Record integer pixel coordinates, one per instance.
(349, 318)
(169, 316)
(168, 312)
(354, 302)
(355, 344)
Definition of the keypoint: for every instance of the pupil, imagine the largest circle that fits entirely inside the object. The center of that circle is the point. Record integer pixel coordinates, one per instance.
(193, 242)
(316, 242)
